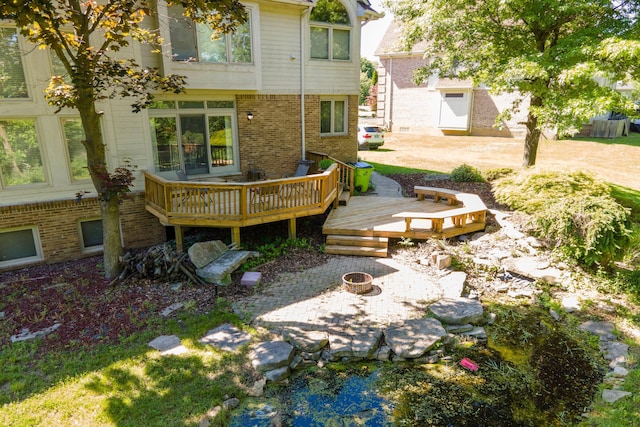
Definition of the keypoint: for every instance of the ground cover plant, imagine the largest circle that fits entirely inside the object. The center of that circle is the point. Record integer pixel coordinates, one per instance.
(574, 210)
(108, 376)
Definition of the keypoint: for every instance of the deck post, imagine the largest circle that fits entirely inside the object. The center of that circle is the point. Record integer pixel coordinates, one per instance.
(292, 228)
(235, 236)
(179, 238)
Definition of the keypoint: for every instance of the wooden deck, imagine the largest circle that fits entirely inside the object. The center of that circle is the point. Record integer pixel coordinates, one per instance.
(379, 217)
(241, 204)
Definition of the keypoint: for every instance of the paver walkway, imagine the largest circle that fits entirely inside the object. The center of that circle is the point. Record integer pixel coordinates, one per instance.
(315, 299)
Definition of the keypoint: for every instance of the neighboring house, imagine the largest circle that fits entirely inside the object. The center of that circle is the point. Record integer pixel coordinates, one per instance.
(437, 106)
(285, 83)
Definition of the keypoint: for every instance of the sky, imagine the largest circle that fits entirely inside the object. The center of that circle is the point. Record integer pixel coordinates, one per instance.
(373, 31)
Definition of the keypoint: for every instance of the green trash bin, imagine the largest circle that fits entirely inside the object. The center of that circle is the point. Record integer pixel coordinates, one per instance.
(362, 175)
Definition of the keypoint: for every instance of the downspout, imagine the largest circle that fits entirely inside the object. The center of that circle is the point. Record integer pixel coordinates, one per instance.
(304, 15)
(389, 82)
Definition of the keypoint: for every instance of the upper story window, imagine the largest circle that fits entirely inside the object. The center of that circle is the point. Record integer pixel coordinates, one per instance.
(12, 81)
(330, 31)
(195, 42)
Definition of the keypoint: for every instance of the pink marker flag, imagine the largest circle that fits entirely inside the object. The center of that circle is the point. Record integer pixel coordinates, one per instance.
(469, 364)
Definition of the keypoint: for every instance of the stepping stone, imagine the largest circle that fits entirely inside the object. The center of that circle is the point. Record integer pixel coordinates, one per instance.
(168, 345)
(226, 337)
(414, 337)
(271, 355)
(458, 311)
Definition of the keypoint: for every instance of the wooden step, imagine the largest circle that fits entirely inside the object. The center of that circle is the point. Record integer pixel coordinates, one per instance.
(365, 241)
(344, 198)
(355, 250)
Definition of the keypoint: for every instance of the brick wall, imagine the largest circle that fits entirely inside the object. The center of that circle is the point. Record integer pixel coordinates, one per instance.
(57, 223)
(277, 149)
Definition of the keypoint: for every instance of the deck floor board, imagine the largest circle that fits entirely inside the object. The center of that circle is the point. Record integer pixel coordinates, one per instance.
(373, 216)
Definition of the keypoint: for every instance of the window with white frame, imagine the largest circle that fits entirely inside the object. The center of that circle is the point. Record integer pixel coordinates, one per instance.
(19, 246)
(330, 31)
(74, 135)
(12, 80)
(333, 116)
(20, 156)
(195, 42)
(91, 236)
(198, 137)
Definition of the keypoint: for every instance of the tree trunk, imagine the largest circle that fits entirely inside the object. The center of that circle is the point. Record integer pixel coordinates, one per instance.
(111, 243)
(532, 138)
(97, 164)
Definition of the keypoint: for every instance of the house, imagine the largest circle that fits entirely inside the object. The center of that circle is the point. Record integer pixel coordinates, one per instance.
(437, 106)
(284, 83)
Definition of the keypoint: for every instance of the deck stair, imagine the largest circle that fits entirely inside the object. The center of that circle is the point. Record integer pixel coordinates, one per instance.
(356, 245)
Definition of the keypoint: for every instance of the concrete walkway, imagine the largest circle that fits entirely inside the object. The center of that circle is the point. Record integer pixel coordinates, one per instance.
(315, 299)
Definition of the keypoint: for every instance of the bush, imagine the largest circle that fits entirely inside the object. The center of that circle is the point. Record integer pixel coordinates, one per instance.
(573, 210)
(494, 174)
(466, 173)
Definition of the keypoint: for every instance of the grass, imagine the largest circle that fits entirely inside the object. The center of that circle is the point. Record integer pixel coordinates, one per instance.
(383, 169)
(632, 140)
(128, 384)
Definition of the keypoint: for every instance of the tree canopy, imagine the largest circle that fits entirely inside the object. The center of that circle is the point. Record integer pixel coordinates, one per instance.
(558, 56)
(88, 38)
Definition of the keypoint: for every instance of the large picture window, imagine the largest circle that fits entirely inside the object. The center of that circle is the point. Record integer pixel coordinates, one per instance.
(12, 81)
(198, 137)
(196, 42)
(20, 157)
(330, 31)
(333, 117)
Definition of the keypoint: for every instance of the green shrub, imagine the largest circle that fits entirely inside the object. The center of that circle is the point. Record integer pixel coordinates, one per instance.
(573, 210)
(493, 174)
(466, 173)
(325, 163)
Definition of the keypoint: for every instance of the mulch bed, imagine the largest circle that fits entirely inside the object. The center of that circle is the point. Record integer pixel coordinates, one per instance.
(90, 310)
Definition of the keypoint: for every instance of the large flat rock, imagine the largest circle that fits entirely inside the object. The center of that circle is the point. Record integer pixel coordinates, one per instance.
(414, 337)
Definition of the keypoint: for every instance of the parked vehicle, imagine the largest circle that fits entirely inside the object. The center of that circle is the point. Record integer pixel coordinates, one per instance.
(370, 137)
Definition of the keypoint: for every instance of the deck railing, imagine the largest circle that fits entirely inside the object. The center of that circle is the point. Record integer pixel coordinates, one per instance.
(345, 171)
(231, 204)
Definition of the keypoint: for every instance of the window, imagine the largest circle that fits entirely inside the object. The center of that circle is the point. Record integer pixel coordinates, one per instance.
(20, 158)
(330, 31)
(333, 117)
(196, 42)
(19, 245)
(91, 234)
(198, 137)
(12, 80)
(74, 134)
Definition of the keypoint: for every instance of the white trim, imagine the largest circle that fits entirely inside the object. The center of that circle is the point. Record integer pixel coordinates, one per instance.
(83, 248)
(36, 243)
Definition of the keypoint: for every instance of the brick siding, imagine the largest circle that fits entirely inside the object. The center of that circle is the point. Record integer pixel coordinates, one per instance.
(57, 223)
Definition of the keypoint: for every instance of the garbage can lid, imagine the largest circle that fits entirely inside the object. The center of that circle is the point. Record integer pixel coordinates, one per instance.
(362, 165)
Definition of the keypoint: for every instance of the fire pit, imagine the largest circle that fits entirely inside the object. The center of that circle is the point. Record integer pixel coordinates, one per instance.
(357, 282)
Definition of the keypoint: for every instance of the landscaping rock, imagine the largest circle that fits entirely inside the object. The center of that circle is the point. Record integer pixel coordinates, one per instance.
(26, 335)
(611, 396)
(271, 355)
(414, 337)
(168, 345)
(203, 253)
(453, 284)
(306, 341)
(169, 310)
(458, 311)
(226, 337)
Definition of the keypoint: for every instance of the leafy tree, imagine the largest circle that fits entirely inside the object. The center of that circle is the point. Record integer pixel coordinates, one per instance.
(557, 55)
(86, 37)
(368, 79)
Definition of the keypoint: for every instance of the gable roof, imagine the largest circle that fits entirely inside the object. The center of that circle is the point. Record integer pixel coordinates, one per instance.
(390, 43)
